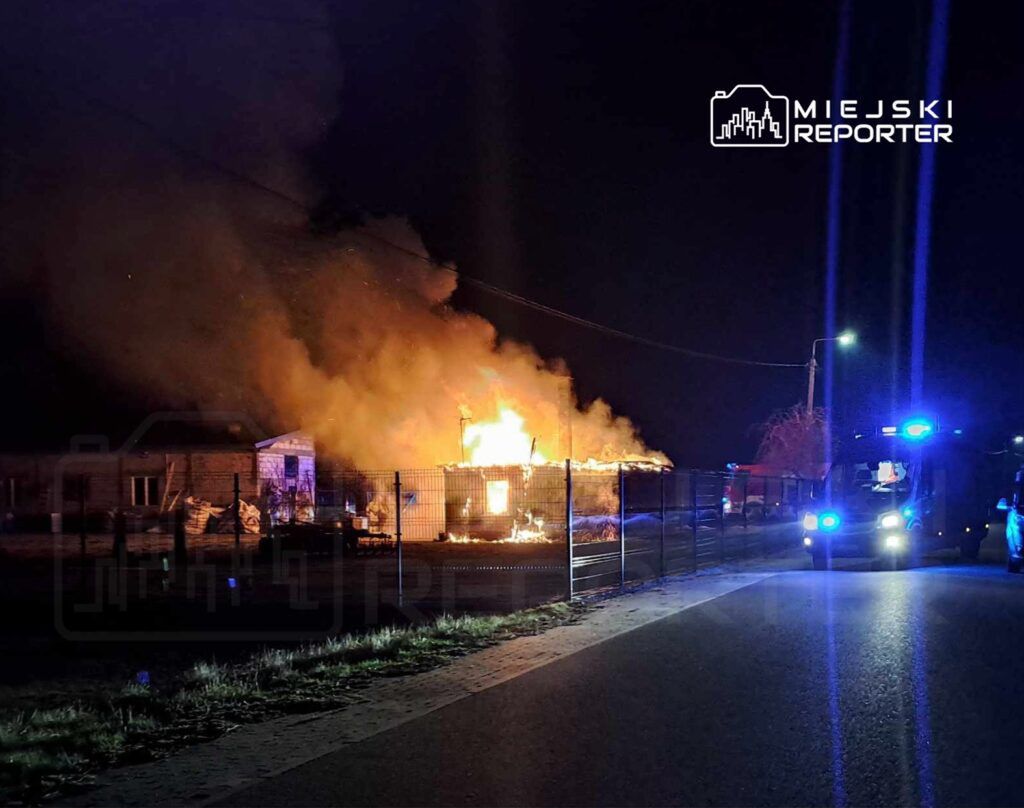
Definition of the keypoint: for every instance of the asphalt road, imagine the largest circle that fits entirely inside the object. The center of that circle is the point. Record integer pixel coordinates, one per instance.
(842, 688)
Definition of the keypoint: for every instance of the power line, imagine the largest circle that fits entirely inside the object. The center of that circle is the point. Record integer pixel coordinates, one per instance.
(245, 179)
(581, 321)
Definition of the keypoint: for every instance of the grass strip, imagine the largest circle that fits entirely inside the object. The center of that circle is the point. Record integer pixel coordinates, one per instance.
(49, 750)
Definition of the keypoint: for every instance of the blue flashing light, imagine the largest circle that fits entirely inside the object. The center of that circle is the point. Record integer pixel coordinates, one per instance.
(917, 429)
(908, 512)
(232, 583)
(828, 520)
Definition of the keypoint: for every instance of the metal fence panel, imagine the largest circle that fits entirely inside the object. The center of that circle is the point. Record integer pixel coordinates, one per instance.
(628, 524)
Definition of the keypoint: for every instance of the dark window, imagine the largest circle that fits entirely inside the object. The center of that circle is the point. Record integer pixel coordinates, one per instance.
(291, 467)
(76, 487)
(145, 491)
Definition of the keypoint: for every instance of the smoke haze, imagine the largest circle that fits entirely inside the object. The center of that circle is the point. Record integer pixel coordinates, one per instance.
(175, 279)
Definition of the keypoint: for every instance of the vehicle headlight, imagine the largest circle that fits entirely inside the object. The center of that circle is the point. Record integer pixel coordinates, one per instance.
(893, 542)
(810, 521)
(890, 521)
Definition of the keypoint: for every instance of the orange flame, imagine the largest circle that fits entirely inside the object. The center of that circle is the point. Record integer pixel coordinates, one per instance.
(503, 442)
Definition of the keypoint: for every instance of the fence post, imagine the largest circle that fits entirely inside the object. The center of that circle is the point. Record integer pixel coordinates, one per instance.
(120, 533)
(398, 534)
(180, 549)
(694, 518)
(746, 491)
(662, 554)
(721, 518)
(81, 513)
(120, 525)
(622, 527)
(238, 513)
(746, 536)
(568, 527)
(777, 510)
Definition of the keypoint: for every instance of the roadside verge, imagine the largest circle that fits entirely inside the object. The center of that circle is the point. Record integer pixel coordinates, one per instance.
(204, 773)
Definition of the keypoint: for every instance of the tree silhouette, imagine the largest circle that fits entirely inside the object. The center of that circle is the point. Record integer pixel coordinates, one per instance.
(793, 440)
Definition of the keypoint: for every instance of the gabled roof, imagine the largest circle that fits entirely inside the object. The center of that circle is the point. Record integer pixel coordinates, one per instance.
(298, 434)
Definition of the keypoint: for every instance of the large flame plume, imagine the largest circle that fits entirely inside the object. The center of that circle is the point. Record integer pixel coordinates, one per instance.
(371, 359)
(501, 442)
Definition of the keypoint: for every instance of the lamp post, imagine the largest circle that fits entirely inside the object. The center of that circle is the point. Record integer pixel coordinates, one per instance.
(845, 340)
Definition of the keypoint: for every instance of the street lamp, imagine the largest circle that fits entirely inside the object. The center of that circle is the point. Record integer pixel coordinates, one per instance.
(847, 339)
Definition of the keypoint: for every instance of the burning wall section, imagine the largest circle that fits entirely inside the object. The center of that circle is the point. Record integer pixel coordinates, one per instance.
(467, 504)
(505, 503)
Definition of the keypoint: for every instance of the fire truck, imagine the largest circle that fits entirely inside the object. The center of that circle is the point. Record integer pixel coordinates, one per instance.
(899, 492)
(1014, 507)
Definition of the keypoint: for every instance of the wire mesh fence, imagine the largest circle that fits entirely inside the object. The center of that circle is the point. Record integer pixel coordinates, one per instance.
(635, 525)
(602, 527)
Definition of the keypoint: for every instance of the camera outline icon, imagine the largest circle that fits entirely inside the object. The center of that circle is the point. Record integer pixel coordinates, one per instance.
(722, 118)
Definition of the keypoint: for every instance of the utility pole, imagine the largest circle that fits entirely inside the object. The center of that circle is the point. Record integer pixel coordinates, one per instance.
(845, 340)
(812, 368)
(462, 435)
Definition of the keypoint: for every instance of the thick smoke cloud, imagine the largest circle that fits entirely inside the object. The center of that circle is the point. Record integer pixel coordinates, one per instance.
(178, 280)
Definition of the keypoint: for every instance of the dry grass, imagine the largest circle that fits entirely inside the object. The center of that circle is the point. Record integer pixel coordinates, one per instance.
(46, 751)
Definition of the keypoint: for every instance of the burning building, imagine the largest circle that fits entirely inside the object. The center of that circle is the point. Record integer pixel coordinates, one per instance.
(504, 490)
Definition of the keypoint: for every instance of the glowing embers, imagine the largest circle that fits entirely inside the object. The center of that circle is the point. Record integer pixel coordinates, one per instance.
(502, 442)
(529, 530)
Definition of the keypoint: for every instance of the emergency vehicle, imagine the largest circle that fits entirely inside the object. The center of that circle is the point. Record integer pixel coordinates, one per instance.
(899, 492)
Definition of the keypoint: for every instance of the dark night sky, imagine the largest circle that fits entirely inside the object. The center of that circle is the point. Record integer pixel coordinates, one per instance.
(559, 150)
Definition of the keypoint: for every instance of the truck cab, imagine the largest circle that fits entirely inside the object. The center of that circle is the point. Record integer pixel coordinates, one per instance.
(1014, 507)
(897, 494)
